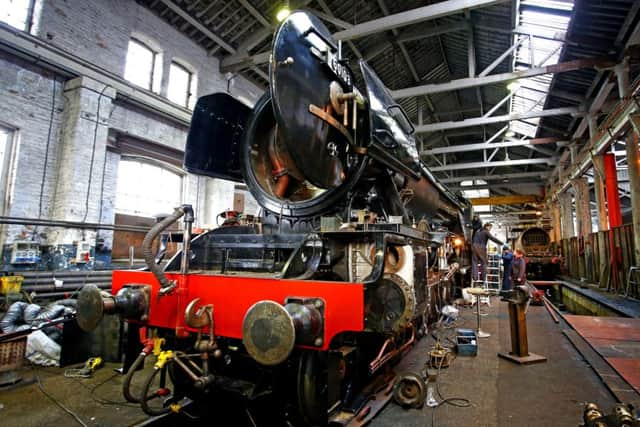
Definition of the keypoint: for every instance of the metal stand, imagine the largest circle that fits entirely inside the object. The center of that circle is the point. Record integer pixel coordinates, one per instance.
(479, 292)
(519, 344)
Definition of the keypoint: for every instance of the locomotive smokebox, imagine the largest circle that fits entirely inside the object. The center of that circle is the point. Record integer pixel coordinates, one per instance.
(270, 330)
(315, 144)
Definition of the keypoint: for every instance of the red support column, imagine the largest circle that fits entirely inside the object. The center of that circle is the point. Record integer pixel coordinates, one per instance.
(613, 197)
(613, 210)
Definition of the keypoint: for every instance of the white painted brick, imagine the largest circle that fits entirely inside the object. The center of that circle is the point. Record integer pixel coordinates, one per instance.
(97, 31)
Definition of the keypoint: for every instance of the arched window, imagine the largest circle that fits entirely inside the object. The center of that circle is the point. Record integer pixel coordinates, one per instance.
(182, 84)
(146, 187)
(18, 14)
(144, 64)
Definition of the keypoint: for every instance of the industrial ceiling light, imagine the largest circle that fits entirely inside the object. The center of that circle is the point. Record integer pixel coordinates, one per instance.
(510, 134)
(513, 86)
(283, 12)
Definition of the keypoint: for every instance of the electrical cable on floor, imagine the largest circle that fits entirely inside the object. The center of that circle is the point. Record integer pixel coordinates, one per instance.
(103, 401)
(60, 405)
(459, 402)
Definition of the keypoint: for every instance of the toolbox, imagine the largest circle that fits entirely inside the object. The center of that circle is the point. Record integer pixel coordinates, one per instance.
(466, 342)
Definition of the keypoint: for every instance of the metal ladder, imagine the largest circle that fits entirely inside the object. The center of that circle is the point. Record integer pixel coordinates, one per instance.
(476, 282)
(494, 277)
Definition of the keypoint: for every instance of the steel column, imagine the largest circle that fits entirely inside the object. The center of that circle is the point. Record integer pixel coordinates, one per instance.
(583, 211)
(583, 219)
(557, 229)
(613, 196)
(622, 75)
(633, 161)
(613, 208)
(601, 201)
(566, 215)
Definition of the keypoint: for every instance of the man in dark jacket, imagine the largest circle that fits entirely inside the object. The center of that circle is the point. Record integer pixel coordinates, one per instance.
(518, 269)
(479, 251)
(507, 259)
(476, 225)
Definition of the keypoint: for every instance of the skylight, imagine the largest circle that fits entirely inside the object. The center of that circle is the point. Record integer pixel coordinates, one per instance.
(476, 193)
(542, 25)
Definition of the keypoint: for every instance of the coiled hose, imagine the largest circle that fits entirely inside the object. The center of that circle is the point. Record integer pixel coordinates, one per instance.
(146, 397)
(166, 285)
(126, 386)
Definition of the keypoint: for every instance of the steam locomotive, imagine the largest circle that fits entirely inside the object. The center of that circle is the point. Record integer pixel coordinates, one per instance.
(355, 252)
(542, 263)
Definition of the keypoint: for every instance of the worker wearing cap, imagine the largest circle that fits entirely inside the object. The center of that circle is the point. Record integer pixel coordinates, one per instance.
(519, 268)
(479, 250)
(507, 259)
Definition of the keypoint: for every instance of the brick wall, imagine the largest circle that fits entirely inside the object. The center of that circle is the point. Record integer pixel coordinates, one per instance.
(97, 31)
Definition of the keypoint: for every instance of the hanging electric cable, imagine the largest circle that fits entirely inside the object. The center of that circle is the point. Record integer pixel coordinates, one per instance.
(46, 150)
(93, 153)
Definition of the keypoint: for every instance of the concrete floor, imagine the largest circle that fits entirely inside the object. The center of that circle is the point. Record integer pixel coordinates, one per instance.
(501, 393)
(97, 401)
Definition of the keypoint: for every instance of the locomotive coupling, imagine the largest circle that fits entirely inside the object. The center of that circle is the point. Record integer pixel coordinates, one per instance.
(131, 302)
(270, 330)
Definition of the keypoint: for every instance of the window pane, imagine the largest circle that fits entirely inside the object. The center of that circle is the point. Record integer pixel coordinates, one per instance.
(179, 79)
(146, 190)
(16, 13)
(5, 135)
(139, 67)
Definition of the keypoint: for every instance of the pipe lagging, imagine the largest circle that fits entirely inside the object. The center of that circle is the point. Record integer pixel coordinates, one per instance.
(165, 284)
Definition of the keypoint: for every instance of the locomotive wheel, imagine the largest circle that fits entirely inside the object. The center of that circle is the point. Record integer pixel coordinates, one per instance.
(311, 384)
(297, 197)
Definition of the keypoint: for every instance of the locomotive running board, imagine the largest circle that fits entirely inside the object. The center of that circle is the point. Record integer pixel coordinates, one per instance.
(373, 404)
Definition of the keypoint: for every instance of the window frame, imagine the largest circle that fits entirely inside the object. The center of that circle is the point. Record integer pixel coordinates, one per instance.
(28, 25)
(190, 83)
(155, 53)
(153, 162)
(7, 166)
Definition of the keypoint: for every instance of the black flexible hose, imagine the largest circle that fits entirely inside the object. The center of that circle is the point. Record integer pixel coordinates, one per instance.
(146, 397)
(147, 251)
(126, 386)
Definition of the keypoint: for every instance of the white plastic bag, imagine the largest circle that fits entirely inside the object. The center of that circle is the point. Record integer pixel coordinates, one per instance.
(42, 350)
(450, 311)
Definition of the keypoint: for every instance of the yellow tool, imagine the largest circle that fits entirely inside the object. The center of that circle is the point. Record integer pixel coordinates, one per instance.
(157, 346)
(163, 358)
(87, 370)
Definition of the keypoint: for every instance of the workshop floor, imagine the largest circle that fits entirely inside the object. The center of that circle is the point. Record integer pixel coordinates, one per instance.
(501, 393)
(97, 401)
